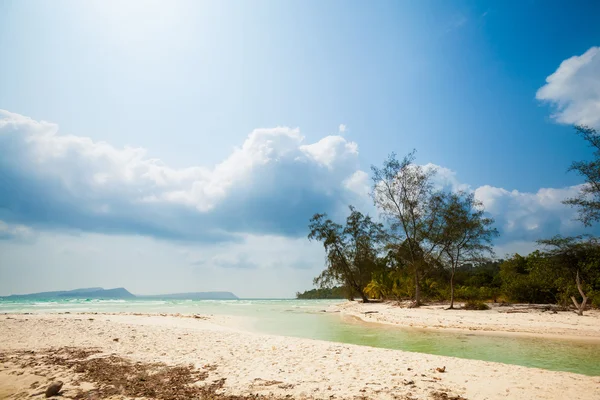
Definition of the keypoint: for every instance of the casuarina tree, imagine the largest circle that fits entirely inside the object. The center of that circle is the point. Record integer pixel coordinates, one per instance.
(467, 234)
(351, 251)
(405, 195)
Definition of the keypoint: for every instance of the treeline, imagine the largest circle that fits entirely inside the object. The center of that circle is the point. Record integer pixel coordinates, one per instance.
(436, 244)
(337, 292)
(520, 279)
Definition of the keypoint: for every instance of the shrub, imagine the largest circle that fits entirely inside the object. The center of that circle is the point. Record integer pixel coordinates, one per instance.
(476, 305)
(470, 293)
(595, 299)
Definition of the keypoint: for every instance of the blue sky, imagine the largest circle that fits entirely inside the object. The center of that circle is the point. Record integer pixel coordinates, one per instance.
(239, 107)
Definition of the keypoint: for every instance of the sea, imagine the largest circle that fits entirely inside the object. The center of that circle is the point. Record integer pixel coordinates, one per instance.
(306, 319)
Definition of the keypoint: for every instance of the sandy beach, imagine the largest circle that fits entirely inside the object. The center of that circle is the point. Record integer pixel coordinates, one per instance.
(508, 320)
(82, 349)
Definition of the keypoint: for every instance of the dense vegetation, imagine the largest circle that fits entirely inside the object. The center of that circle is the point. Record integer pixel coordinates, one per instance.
(337, 292)
(437, 245)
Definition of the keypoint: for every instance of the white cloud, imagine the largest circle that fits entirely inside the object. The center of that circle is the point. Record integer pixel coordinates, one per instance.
(574, 90)
(248, 213)
(522, 216)
(83, 184)
(342, 128)
(446, 179)
(358, 182)
(332, 151)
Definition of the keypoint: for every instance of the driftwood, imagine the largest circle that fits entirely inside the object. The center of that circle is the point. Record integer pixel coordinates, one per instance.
(580, 307)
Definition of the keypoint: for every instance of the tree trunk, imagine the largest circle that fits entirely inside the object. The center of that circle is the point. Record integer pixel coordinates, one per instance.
(364, 297)
(349, 292)
(580, 307)
(451, 290)
(417, 290)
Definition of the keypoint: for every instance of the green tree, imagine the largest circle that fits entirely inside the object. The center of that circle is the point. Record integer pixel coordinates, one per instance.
(578, 259)
(404, 194)
(588, 200)
(467, 234)
(529, 279)
(337, 292)
(351, 251)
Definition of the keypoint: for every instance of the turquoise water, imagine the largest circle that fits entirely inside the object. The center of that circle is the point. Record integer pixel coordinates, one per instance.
(303, 318)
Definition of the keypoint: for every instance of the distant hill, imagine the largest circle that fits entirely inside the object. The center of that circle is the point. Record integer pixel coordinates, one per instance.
(119, 293)
(193, 296)
(86, 293)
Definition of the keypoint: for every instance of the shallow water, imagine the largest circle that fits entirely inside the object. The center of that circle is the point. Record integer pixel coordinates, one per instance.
(303, 318)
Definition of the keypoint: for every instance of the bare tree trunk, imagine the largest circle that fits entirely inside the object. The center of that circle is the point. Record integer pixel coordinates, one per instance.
(580, 307)
(417, 290)
(451, 289)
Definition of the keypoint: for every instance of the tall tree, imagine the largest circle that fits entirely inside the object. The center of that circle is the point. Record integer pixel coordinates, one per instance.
(588, 200)
(578, 258)
(467, 234)
(404, 194)
(351, 250)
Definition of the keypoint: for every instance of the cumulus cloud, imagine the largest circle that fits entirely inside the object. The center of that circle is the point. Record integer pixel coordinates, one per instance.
(342, 128)
(332, 151)
(445, 179)
(574, 90)
(271, 184)
(525, 216)
(521, 217)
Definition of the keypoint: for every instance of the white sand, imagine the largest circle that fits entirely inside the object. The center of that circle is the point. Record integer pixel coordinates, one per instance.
(301, 368)
(518, 319)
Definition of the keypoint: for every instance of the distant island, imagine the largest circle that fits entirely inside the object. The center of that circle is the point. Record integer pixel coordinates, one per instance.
(86, 293)
(119, 293)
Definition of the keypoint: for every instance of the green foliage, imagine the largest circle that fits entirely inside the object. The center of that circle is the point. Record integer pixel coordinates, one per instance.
(573, 265)
(587, 201)
(390, 284)
(525, 279)
(468, 293)
(352, 251)
(337, 292)
(595, 299)
(437, 245)
(467, 234)
(380, 286)
(405, 195)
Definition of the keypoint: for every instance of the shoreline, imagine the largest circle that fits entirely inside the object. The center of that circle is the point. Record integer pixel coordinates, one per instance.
(247, 363)
(523, 322)
(478, 332)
